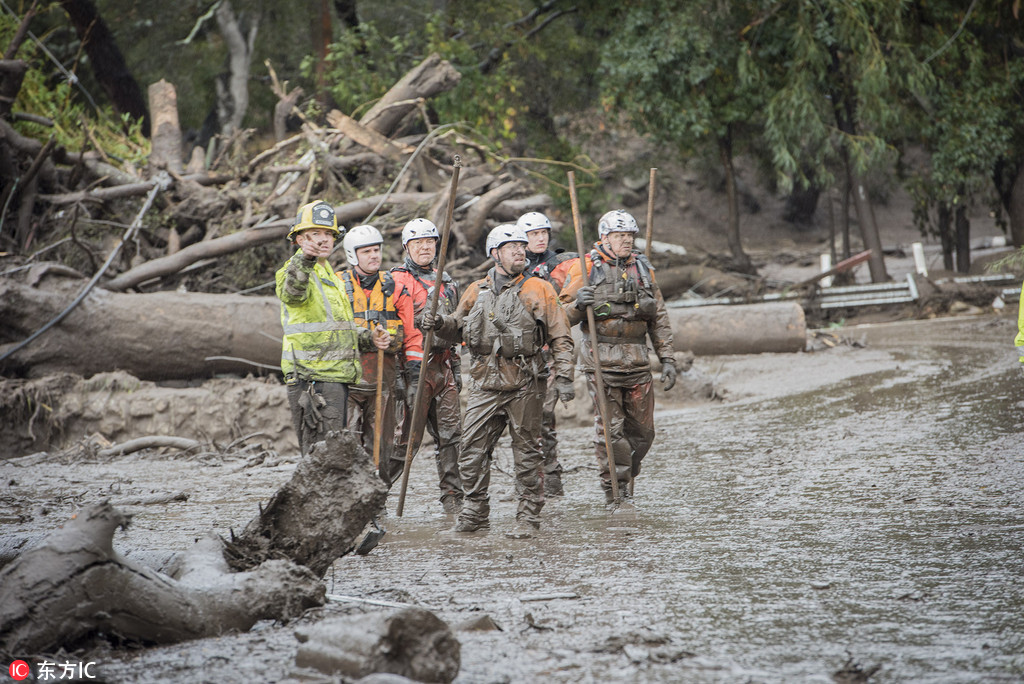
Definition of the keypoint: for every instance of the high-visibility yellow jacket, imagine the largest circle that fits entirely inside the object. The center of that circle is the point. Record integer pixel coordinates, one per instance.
(321, 340)
(1019, 339)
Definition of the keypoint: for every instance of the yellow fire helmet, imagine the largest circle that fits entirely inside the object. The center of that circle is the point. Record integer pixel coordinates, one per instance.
(318, 214)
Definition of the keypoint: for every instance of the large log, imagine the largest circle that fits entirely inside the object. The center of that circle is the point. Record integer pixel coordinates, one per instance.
(430, 77)
(74, 584)
(154, 336)
(739, 329)
(272, 230)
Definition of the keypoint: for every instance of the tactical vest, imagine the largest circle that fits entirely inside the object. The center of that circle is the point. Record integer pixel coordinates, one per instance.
(447, 301)
(548, 262)
(619, 293)
(501, 325)
(321, 340)
(379, 309)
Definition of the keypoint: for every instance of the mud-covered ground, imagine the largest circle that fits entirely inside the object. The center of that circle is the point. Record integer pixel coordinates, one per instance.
(855, 509)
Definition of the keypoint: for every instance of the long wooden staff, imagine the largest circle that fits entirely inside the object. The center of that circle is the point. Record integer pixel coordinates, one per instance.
(650, 215)
(602, 404)
(428, 338)
(378, 418)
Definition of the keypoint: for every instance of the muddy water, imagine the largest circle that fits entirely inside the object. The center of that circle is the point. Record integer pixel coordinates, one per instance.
(855, 507)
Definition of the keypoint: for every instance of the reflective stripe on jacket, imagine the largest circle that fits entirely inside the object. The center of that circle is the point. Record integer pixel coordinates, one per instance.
(321, 341)
(369, 308)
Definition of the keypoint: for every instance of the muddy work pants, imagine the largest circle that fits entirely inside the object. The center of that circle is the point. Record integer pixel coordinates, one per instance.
(362, 416)
(440, 413)
(316, 408)
(487, 414)
(631, 428)
(548, 436)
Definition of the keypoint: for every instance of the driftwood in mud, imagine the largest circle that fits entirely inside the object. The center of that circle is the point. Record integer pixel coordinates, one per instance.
(152, 336)
(411, 642)
(74, 585)
(317, 516)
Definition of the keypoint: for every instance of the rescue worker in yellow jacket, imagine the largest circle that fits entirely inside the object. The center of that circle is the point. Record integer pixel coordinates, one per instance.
(320, 349)
(375, 303)
(1018, 340)
(628, 308)
(506, 319)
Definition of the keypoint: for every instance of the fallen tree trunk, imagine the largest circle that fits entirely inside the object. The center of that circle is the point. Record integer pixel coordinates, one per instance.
(273, 230)
(430, 77)
(739, 329)
(156, 336)
(74, 585)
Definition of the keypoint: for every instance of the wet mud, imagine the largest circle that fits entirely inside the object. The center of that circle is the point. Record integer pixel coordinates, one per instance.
(854, 508)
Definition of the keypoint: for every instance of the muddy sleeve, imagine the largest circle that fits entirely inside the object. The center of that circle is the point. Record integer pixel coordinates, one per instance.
(660, 329)
(294, 288)
(540, 297)
(573, 282)
(452, 328)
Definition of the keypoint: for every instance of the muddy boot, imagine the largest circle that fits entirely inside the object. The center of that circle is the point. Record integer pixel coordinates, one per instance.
(468, 526)
(451, 505)
(370, 537)
(553, 485)
(523, 529)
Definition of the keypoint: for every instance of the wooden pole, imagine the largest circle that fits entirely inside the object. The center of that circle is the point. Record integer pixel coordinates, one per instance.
(650, 215)
(602, 405)
(378, 413)
(428, 338)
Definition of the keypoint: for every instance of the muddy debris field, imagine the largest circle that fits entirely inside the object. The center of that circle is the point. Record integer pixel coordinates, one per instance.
(852, 514)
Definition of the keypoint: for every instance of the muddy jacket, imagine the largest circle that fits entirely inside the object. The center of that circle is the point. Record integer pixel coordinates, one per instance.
(550, 265)
(507, 330)
(419, 282)
(628, 308)
(321, 341)
(377, 304)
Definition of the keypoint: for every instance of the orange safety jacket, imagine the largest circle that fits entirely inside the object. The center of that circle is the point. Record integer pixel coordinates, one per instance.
(373, 307)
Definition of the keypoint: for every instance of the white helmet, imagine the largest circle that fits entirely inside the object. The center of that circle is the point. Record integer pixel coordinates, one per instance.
(533, 220)
(419, 228)
(506, 232)
(360, 236)
(617, 221)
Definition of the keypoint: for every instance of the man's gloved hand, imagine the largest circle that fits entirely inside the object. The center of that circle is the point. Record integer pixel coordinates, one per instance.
(412, 381)
(565, 389)
(585, 297)
(668, 373)
(434, 322)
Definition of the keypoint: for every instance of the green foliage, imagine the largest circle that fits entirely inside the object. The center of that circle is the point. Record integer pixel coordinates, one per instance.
(75, 124)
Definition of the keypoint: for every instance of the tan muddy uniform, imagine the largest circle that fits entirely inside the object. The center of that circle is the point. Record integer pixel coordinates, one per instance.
(628, 309)
(505, 322)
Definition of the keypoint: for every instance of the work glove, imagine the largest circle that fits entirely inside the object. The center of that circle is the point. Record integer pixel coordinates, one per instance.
(565, 389)
(668, 373)
(412, 380)
(311, 402)
(585, 297)
(434, 322)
